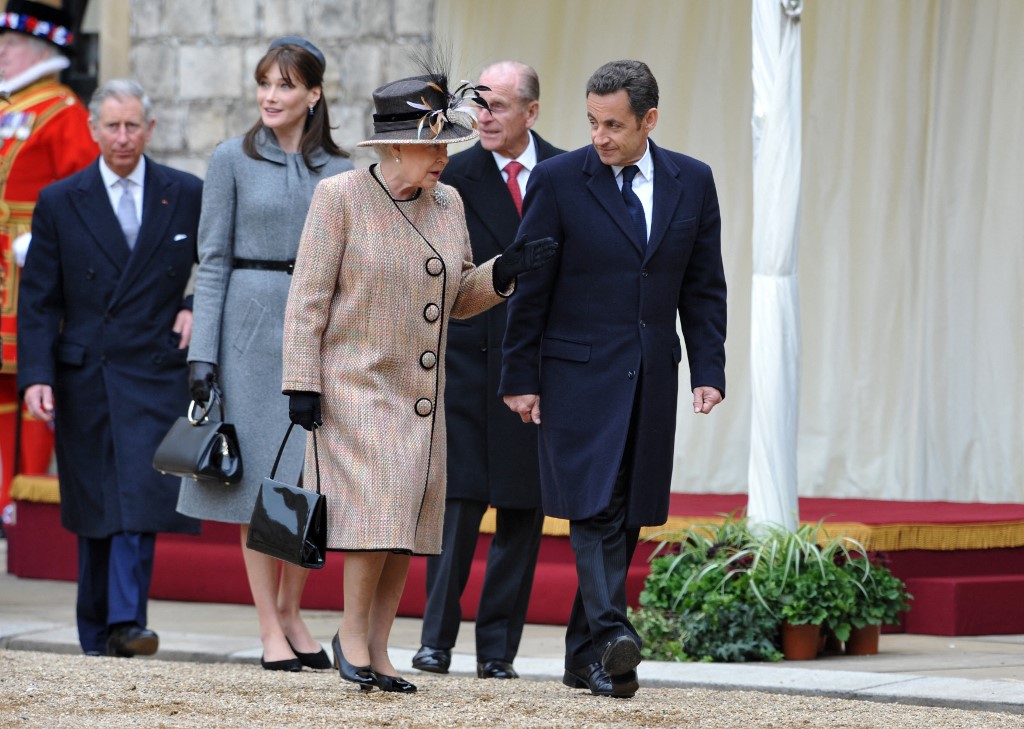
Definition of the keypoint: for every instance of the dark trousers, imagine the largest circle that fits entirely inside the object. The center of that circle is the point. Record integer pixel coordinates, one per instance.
(114, 574)
(508, 578)
(603, 548)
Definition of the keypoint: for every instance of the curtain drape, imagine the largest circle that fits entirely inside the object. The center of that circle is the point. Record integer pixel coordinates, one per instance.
(911, 243)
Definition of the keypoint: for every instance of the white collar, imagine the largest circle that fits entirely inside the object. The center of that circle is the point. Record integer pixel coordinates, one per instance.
(645, 163)
(33, 73)
(527, 159)
(110, 178)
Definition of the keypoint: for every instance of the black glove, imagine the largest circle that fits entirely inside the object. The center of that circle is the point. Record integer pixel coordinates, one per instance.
(202, 376)
(520, 257)
(304, 409)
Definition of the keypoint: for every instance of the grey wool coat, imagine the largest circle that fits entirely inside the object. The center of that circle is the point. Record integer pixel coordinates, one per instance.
(366, 326)
(251, 209)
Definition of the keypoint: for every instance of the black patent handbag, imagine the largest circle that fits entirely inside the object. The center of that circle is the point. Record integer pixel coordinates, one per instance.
(201, 448)
(289, 522)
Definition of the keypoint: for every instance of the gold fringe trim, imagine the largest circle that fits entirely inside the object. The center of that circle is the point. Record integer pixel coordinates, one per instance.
(881, 537)
(40, 489)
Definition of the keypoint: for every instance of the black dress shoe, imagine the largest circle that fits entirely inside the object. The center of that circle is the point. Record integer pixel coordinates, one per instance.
(625, 685)
(621, 655)
(396, 684)
(287, 664)
(361, 675)
(495, 669)
(592, 676)
(318, 661)
(432, 660)
(132, 640)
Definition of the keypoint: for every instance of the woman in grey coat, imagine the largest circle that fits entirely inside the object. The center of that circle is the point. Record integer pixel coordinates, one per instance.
(255, 197)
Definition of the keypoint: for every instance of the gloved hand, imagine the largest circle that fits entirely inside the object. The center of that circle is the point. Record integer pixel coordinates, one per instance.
(202, 376)
(520, 257)
(304, 409)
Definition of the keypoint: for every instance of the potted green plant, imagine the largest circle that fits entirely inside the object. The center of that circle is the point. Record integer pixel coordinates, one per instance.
(880, 599)
(698, 602)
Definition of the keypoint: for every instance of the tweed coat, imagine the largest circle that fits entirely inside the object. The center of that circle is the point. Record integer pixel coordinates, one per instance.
(492, 453)
(585, 332)
(251, 209)
(365, 326)
(95, 321)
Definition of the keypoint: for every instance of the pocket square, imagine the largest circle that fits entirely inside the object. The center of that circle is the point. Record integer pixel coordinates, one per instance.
(180, 236)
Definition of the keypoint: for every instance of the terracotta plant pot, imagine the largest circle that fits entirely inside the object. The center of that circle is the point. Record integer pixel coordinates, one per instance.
(800, 642)
(863, 641)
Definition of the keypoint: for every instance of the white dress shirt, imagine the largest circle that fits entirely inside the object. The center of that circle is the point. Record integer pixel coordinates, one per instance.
(643, 184)
(528, 159)
(114, 191)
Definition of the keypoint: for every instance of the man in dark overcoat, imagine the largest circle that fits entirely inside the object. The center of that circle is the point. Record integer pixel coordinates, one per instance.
(492, 455)
(591, 353)
(103, 331)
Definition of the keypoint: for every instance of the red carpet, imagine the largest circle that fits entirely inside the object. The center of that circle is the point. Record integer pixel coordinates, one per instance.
(965, 562)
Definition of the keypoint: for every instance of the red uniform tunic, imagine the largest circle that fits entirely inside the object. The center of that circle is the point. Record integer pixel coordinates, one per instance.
(45, 136)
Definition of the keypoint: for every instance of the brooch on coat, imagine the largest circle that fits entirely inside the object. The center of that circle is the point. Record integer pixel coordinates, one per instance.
(441, 198)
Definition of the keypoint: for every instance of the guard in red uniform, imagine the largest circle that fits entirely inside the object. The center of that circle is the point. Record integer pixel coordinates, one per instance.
(44, 136)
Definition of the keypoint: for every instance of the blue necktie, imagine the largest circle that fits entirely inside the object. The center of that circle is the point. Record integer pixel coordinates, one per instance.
(633, 204)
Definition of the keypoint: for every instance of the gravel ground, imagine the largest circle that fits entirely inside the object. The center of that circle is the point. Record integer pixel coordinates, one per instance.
(54, 690)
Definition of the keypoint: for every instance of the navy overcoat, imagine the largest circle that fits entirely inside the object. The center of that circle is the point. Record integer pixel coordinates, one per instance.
(95, 324)
(583, 332)
(492, 454)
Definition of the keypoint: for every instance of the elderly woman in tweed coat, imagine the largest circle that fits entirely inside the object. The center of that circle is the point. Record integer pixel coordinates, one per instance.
(384, 261)
(255, 200)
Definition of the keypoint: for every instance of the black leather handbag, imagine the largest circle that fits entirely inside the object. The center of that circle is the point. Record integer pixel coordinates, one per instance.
(201, 448)
(289, 522)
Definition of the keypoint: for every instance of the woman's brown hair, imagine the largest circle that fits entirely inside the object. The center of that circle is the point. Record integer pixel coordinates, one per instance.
(298, 67)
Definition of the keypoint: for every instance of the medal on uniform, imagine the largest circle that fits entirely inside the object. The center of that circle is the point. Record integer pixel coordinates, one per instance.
(17, 124)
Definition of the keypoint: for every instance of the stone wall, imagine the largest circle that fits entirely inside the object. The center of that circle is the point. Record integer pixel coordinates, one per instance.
(196, 58)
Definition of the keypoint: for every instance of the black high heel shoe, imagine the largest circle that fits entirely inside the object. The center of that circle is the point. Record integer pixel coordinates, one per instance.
(288, 664)
(394, 683)
(361, 675)
(318, 661)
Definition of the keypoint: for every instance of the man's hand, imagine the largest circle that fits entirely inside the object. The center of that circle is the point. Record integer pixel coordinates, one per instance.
(705, 398)
(183, 326)
(528, 407)
(39, 399)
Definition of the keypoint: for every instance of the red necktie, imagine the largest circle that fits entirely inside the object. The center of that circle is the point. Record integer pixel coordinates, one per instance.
(512, 169)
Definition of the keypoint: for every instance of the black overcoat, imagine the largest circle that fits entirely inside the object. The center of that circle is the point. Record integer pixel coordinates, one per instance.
(95, 324)
(584, 330)
(492, 454)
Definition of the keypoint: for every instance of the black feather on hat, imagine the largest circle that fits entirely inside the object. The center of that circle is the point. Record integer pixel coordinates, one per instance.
(421, 109)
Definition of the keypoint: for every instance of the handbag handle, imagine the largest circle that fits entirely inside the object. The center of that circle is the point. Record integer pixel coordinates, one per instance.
(280, 452)
(215, 397)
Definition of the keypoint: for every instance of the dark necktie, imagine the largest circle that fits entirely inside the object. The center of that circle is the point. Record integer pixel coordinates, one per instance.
(512, 169)
(633, 204)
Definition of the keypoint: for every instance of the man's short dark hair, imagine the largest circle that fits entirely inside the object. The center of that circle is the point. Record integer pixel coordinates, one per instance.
(632, 76)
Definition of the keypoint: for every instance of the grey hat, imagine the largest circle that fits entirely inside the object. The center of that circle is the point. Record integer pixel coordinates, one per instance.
(294, 40)
(419, 110)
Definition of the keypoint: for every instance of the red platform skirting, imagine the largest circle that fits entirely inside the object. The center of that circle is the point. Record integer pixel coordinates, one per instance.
(964, 563)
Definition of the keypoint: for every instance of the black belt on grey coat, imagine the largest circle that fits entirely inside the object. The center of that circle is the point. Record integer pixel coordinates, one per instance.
(261, 265)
